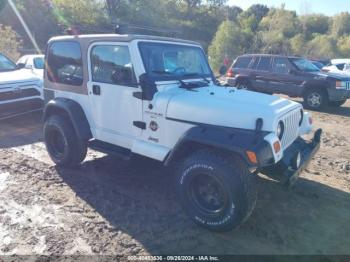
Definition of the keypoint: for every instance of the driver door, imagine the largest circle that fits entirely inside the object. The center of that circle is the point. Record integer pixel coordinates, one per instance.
(111, 87)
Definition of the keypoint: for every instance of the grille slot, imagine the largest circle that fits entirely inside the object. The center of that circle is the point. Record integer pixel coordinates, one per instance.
(291, 125)
(23, 93)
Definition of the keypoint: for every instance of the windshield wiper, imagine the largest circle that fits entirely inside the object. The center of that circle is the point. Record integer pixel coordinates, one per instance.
(183, 84)
(197, 75)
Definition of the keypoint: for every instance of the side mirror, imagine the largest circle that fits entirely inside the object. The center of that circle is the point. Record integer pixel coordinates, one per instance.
(21, 65)
(223, 70)
(148, 86)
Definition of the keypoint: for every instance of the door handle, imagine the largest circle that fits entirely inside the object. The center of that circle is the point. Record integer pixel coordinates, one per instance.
(96, 90)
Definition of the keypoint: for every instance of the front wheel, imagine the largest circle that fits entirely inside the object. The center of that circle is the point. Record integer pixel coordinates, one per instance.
(315, 99)
(217, 192)
(243, 86)
(337, 103)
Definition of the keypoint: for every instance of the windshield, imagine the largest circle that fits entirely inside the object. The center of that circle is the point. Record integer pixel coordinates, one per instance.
(318, 64)
(39, 63)
(6, 64)
(174, 61)
(304, 65)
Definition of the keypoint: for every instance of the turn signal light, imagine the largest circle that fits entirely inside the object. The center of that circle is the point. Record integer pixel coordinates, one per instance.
(252, 157)
(311, 121)
(277, 147)
(338, 84)
(230, 73)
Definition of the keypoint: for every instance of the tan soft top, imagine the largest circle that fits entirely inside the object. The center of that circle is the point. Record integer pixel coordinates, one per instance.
(119, 38)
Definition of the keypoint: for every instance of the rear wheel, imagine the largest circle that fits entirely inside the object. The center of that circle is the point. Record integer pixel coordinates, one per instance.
(337, 103)
(62, 142)
(315, 99)
(216, 192)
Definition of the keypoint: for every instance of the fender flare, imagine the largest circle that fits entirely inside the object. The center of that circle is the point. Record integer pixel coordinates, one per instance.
(315, 84)
(73, 111)
(233, 140)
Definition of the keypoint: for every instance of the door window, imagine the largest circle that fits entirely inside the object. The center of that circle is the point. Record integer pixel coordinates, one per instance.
(65, 63)
(243, 62)
(264, 63)
(340, 66)
(111, 64)
(280, 66)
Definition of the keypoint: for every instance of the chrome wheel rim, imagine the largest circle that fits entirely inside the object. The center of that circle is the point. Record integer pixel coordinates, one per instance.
(314, 99)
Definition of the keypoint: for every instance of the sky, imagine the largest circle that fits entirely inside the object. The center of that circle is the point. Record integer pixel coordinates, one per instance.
(327, 7)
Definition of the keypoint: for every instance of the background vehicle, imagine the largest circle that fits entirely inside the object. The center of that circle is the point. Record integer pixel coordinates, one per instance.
(157, 97)
(20, 91)
(319, 63)
(34, 63)
(337, 66)
(292, 76)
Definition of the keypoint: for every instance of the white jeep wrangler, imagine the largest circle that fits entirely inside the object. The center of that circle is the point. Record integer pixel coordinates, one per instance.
(157, 97)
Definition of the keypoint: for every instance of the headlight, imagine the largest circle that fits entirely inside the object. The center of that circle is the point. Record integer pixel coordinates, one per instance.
(280, 130)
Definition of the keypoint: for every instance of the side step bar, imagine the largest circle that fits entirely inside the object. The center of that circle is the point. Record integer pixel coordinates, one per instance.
(110, 149)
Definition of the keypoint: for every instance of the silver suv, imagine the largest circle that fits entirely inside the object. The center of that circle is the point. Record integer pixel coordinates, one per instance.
(20, 91)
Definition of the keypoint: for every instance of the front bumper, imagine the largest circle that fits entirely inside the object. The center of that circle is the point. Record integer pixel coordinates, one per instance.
(231, 81)
(288, 170)
(338, 94)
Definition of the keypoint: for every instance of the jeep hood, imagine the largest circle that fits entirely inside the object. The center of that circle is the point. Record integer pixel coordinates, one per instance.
(17, 76)
(228, 107)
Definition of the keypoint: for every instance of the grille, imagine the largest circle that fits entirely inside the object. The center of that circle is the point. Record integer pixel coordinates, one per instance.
(291, 128)
(17, 94)
(347, 85)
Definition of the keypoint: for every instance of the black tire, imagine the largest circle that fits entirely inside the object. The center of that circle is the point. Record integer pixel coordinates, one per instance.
(315, 98)
(62, 142)
(232, 190)
(243, 85)
(337, 103)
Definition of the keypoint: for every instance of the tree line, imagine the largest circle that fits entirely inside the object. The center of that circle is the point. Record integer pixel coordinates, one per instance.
(223, 30)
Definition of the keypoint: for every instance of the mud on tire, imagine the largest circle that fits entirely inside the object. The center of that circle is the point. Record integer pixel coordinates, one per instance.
(217, 192)
(62, 142)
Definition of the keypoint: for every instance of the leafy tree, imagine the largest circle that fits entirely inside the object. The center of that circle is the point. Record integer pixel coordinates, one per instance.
(258, 10)
(322, 46)
(228, 41)
(233, 12)
(312, 24)
(281, 21)
(251, 18)
(79, 12)
(344, 45)
(341, 24)
(297, 44)
(9, 43)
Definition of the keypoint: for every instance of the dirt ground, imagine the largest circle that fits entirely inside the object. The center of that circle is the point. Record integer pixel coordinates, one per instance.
(112, 207)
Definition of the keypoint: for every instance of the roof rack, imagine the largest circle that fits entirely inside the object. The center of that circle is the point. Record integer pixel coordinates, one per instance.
(140, 29)
(121, 29)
